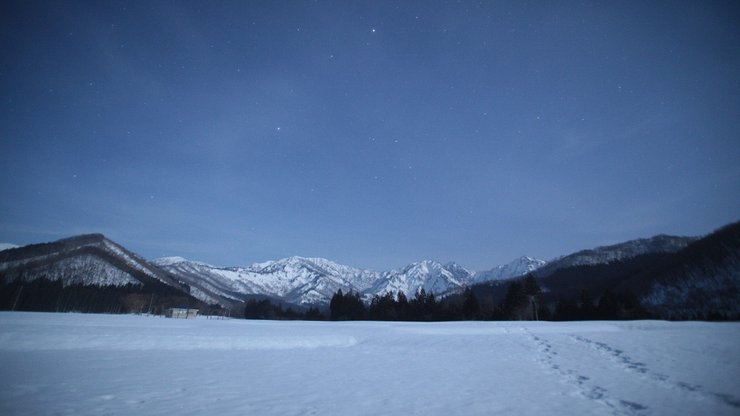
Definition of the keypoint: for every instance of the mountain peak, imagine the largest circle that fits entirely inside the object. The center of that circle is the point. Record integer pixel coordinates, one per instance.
(169, 261)
(515, 268)
(85, 238)
(425, 263)
(294, 262)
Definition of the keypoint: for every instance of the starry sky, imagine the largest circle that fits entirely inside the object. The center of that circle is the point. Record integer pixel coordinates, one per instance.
(371, 133)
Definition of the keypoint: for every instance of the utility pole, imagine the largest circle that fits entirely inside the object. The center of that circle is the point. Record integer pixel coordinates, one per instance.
(17, 297)
(149, 311)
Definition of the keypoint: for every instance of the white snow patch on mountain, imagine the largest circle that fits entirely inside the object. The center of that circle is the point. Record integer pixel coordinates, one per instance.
(83, 269)
(89, 260)
(516, 268)
(429, 275)
(169, 261)
(7, 246)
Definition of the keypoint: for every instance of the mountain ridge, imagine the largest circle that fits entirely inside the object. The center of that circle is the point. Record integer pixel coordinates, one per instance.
(671, 277)
(86, 273)
(313, 280)
(661, 243)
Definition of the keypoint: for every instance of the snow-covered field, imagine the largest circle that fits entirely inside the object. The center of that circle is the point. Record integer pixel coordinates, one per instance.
(121, 365)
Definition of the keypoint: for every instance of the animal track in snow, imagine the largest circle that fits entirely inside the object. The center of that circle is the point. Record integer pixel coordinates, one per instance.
(630, 364)
(583, 384)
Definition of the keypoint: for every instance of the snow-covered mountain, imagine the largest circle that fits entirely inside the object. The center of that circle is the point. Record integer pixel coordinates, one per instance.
(95, 260)
(516, 268)
(87, 259)
(428, 275)
(617, 252)
(308, 281)
(87, 273)
(298, 280)
(699, 281)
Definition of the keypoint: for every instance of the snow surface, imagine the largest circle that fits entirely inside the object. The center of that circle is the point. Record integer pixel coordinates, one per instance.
(121, 365)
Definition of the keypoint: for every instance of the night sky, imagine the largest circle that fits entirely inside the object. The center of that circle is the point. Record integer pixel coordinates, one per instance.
(370, 133)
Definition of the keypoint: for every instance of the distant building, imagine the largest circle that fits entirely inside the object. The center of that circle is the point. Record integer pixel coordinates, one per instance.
(181, 312)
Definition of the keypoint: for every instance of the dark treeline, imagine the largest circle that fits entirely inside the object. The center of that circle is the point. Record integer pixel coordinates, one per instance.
(523, 301)
(265, 309)
(46, 295)
(389, 307)
(610, 306)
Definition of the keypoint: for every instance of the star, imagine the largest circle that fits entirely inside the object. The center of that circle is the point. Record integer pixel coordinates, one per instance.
(372, 30)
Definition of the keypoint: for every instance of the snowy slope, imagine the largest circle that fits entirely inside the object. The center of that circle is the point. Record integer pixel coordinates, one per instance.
(297, 280)
(135, 365)
(700, 280)
(307, 281)
(95, 260)
(515, 268)
(303, 280)
(429, 275)
(616, 252)
(311, 281)
(87, 259)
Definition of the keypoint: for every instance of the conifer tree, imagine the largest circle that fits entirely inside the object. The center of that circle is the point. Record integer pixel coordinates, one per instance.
(515, 305)
(534, 296)
(566, 310)
(608, 306)
(586, 308)
(402, 305)
(336, 305)
(471, 307)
